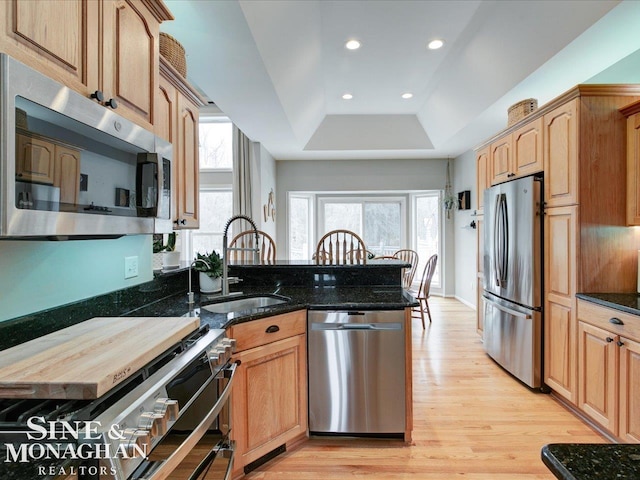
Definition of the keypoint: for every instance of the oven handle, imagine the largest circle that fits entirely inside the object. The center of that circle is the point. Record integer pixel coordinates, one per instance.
(190, 442)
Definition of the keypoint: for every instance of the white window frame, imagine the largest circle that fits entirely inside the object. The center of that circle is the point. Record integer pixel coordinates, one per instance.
(206, 117)
(437, 285)
(310, 197)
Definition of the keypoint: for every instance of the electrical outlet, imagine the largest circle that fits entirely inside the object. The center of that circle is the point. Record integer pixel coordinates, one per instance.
(130, 267)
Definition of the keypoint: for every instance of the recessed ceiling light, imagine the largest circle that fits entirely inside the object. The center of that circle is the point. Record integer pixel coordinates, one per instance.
(435, 44)
(347, 96)
(352, 44)
(407, 95)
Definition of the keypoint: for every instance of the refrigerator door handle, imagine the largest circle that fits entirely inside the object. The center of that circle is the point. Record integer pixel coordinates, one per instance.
(505, 240)
(508, 310)
(496, 241)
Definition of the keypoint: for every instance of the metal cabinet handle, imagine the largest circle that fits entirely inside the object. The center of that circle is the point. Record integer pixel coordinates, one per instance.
(620, 343)
(272, 329)
(616, 321)
(609, 339)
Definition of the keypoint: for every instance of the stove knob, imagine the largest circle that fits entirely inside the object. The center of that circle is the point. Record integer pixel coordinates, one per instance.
(216, 356)
(154, 422)
(230, 342)
(136, 442)
(167, 408)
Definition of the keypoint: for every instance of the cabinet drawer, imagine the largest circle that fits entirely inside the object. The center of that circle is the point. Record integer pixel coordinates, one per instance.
(600, 316)
(254, 333)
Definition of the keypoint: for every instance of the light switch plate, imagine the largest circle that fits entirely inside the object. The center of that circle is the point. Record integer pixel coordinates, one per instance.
(130, 267)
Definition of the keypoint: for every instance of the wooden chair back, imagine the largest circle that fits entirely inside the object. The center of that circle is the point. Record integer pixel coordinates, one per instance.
(409, 256)
(247, 239)
(427, 275)
(340, 247)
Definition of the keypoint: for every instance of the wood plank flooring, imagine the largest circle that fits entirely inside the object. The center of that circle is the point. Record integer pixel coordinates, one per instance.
(471, 419)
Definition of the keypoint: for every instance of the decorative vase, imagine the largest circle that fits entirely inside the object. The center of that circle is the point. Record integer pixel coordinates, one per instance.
(208, 284)
(157, 261)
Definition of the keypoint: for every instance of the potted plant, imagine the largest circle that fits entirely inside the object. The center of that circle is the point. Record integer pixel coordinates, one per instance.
(209, 266)
(170, 257)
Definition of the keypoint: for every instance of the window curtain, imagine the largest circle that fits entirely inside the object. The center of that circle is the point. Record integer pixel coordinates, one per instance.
(242, 160)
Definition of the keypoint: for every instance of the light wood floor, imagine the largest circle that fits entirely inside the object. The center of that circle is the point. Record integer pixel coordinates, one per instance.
(471, 420)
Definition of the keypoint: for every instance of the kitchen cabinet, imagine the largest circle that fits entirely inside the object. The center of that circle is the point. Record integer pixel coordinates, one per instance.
(269, 397)
(609, 369)
(500, 160)
(177, 121)
(632, 112)
(66, 173)
(483, 180)
(480, 274)
(527, 149)
(561, 155)
(560, 288)
(109, 46)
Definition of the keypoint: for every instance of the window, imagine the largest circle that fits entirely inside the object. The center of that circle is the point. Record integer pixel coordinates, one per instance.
(386, 222)
(216, 143)
(215, 209)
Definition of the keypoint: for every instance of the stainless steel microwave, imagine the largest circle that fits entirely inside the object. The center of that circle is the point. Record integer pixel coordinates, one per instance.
(71, 167)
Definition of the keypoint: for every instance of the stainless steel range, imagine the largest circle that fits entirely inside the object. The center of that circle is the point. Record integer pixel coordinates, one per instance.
(174, 408)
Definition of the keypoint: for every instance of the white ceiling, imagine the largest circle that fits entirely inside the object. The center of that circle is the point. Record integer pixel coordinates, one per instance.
(278, 68)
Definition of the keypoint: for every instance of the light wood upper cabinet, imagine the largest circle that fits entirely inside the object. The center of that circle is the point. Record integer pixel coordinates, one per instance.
(269, 396)
(111, 46)
(177, 120)
(609, 369)
(561, 155)
(500, 160)
(482, 177)
(527, 149)
(633, 163)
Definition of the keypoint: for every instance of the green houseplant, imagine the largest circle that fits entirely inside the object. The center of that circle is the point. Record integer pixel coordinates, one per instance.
(170, 258)
(209, 266)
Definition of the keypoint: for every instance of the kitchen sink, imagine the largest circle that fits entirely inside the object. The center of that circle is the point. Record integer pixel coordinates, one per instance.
(243, 304)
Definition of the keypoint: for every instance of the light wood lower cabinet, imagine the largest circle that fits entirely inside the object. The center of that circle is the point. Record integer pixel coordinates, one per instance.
(609, 369)
(269, 397)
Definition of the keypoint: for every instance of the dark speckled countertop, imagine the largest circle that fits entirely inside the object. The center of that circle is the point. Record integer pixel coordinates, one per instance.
(588, 461)
(625, 302)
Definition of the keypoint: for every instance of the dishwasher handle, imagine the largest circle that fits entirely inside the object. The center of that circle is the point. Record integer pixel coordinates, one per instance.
(356, 326)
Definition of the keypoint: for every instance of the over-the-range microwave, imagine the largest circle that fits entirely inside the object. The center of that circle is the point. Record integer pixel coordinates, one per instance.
(72, 168)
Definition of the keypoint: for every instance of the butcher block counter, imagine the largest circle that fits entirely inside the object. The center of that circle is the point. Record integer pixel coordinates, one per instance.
(87, 360)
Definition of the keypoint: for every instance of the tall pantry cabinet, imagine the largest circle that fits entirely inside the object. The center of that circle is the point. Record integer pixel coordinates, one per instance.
(587, 247)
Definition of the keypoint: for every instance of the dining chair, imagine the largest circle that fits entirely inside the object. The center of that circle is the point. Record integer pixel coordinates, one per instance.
(409, 256)
(341, 247)
(247, 239)
(423, 292)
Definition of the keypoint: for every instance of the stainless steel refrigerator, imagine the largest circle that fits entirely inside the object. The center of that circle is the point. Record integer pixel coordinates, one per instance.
(513, 266)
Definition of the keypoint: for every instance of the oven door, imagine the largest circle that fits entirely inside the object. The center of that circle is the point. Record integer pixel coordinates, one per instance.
(198, 445)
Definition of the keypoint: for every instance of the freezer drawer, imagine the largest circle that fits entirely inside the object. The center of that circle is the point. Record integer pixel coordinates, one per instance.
(356, 372)
(513, 338)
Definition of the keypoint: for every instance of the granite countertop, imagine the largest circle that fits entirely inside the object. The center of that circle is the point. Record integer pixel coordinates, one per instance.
(575, 461)
(343, 298)
(625, 302)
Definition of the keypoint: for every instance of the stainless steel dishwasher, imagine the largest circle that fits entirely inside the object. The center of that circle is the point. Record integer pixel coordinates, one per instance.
(356, 372)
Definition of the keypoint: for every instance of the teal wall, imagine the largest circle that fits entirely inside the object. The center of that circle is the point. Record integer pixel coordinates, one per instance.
(38, 275)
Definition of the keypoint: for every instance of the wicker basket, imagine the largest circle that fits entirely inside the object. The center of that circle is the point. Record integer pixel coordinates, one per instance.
(174, 52)
(521, 109)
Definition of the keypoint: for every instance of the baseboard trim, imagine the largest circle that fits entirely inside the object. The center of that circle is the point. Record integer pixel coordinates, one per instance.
(463, 301)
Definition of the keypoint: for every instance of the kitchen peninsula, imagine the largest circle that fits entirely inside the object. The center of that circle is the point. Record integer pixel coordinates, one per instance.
(271, 340)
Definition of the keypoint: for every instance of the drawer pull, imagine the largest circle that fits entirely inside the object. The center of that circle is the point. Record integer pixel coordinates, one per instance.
(609, 339)
(620, 343)
(272, 329)
(616, 321)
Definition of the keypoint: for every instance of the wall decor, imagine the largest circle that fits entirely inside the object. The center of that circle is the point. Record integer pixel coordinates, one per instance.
(464, 200)
(122, 197)
(269, 209)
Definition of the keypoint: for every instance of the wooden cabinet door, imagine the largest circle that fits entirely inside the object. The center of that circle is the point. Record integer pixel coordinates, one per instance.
(130, 59)
(500, 160)
(35, 159)
(527, 149)
(560, 139)
(480, 275)
(598, 375)
(67, 173)
(165, 126)
(188, 179)
(53, 37)
(269, 398)
(482, 180)
(629, 391)
(633, 169)
(560, 309)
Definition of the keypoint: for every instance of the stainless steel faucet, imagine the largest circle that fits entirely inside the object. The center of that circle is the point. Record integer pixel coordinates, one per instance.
(226, 250)
(190, 292)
